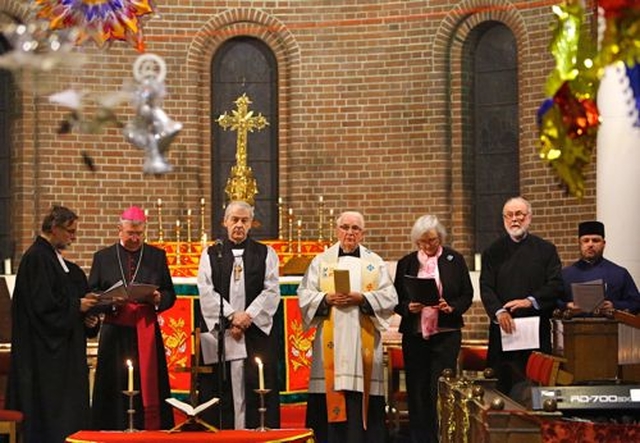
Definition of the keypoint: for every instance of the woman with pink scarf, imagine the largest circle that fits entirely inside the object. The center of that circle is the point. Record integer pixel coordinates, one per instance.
(431, 335)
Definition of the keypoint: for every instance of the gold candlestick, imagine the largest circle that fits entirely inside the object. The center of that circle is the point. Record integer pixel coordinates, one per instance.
(146, 224)
(280, 224)
(290, 239)
(320, 219)
(189, 228)
(178, 259)
(299, 237)
(203, 230)
(160, 231)
(331, 227)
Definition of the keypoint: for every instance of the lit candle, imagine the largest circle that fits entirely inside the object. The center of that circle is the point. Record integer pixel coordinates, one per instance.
(279, 200)
(130, 378)
(320, 199)
(260, 374)
(7, 266)
(159, 202)
(477, 261)
(177, 223)
(290, 212)
(202, 201)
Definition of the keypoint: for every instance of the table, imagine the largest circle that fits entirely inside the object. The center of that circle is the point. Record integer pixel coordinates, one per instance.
(244, 436)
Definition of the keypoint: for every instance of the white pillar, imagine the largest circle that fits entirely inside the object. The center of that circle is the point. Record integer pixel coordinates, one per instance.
(618, 170)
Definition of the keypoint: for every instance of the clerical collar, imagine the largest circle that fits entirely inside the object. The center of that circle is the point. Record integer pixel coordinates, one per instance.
(354, 253)
(238, 245)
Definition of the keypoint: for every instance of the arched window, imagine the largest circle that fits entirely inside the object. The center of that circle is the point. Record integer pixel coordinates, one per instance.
(494, 130)
(7, 89)
(246, 65)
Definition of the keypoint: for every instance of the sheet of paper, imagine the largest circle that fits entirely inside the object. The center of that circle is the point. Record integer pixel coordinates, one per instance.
(526, 335)
(234, 350)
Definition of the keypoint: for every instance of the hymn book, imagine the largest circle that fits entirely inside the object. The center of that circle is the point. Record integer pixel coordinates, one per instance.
(422, 290)
(134, 292)
(589, 295)
(341, 281)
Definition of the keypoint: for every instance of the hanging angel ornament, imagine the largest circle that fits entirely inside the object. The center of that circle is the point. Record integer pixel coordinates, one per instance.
(151, 129)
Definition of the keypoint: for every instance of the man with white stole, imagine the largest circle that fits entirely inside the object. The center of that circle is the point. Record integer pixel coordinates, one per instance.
(244, 274)
(346, 387)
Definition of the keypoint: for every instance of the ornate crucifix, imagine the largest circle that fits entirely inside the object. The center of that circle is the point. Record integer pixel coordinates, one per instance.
(241, 185)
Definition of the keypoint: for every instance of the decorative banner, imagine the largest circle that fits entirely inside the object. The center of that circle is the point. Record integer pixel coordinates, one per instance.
(101, 20)
(177, 325)
(298, 347)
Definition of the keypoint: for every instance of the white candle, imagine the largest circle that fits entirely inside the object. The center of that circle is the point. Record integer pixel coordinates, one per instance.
(299, 223)
(159, 202)
(130, 377)
(202, 201)
(320, 199)
(177, 223)
(7, 266)
(260, 374)
(290, 212)
(188, 212)
(279, 200)
(477, 261)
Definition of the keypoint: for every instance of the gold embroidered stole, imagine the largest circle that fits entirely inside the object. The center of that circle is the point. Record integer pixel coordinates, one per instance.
(336, 405)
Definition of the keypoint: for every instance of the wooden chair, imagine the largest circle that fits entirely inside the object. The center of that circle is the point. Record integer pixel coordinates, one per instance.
(10, 421)
(544, 369)
(397, 409)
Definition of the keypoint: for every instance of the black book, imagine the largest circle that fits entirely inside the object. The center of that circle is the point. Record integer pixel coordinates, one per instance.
(422, 290)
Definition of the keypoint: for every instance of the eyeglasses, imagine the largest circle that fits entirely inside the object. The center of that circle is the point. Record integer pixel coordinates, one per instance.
(134, 233)
(346, 228)
(518, 215)
(70, 231)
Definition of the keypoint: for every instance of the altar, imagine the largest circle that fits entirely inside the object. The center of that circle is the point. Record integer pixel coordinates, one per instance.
(243, 436)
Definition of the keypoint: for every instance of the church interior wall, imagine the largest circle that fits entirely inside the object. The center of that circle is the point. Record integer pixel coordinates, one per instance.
(366, 121)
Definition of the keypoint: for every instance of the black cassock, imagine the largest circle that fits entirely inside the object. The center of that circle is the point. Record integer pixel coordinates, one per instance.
(119, 343)
(49, 376)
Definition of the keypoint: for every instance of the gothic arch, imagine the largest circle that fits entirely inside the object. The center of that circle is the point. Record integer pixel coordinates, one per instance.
(455, 30)
(220, 28)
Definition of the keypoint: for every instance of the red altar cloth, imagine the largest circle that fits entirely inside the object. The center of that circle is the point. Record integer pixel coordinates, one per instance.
(244, 436)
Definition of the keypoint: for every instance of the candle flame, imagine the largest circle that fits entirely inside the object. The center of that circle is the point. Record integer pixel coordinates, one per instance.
(258, 361)
(129, 364)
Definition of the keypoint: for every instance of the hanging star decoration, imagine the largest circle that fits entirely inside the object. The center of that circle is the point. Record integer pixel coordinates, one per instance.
(151, 129)
(102, 21)
(568, 119)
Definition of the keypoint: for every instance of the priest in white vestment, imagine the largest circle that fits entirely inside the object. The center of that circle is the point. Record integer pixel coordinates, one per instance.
(244, 274)
(346, 388)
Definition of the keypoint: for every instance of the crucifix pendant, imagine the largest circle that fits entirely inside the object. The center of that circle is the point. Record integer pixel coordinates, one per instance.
(237, 270)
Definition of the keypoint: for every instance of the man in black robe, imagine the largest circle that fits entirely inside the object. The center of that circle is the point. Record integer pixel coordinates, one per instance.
(49, 376)
(520, 277)
(244, 273)
(131, 331)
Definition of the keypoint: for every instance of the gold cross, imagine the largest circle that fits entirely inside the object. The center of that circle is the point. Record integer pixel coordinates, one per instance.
(241, 185)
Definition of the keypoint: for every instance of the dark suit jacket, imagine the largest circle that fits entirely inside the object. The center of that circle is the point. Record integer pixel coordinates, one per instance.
(457, 289)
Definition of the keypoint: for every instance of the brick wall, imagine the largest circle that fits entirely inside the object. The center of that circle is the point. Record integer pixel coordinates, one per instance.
(366, 119)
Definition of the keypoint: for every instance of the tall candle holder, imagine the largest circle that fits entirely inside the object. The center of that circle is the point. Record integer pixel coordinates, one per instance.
(320, 219)
(160, 230)
(146, 224)
(203, 230)
(178, 258)
(290, 239)
(299, 248)
(131, 411)
(330, 225)
(262, 409)
(280, 224)
(189, 228)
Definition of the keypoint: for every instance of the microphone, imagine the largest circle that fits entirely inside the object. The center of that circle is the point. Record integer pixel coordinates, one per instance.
(218, 247)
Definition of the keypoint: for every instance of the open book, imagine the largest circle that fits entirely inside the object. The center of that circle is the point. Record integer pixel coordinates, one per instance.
(135, 292)
(190, 410)
(422, 290)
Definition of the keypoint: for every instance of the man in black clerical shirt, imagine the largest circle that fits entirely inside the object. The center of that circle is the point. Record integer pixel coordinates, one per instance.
(520, 277)
(243, 274)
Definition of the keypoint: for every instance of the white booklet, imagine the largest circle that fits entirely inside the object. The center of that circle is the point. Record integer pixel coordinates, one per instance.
(526, 335)
(188, 409)
(234, 349)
